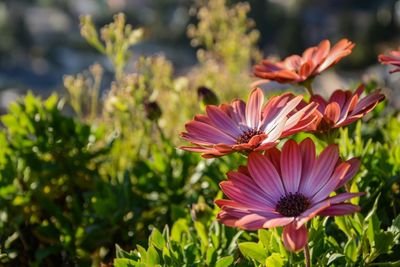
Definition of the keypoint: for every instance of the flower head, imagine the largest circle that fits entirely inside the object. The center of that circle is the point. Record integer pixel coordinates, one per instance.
(343, 108)
(392, 59)
(298, 69)
(246, 127)
(287, 189)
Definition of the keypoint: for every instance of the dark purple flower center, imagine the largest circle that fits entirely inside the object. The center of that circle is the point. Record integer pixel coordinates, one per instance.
(246, 136)
(292, 205)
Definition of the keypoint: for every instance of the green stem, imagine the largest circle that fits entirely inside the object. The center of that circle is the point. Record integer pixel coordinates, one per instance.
(307, 256)
(309, 89)
(308, 85)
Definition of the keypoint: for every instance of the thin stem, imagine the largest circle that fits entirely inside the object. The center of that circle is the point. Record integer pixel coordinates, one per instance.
(309, 89)
(308, 85)
(307, 256)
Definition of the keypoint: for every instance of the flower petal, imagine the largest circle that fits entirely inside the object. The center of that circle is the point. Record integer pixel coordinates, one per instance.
(266, 176)
(222, 121)
(280, 221)
(253, 108)
(199, 131)
(242, 189)
(331, 183)
(291, 166)
(311, 213)
(340, 209)
(307, 149)
(322, 171)
(354, 166)
(294, 238)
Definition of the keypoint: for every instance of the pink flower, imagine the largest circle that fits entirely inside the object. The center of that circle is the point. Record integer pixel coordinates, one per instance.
(297, 69)
(244, 128)
(287, 189)
(343, 108)
(392, 59)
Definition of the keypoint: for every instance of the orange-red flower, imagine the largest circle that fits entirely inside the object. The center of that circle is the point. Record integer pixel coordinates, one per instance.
(297, 69)
(343, 108)
(287, 189)
(244, 128)
(392, 59)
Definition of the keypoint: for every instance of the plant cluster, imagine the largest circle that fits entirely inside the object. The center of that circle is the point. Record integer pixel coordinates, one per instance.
(108, 185)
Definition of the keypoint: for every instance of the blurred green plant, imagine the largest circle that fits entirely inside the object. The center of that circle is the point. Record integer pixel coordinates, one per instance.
(72, 187)
(227, 41)
(114, 41)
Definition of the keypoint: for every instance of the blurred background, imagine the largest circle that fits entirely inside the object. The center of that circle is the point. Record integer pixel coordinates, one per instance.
(40, 40)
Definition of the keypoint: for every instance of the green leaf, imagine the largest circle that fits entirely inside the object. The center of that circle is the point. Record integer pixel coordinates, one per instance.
(178, 228)
(126, 263)
(152, 257)
(384, 242)
(156, 239)
(211, 256)
(224, 261)
(275, 260)
(202, 233)
(254, 251)
(334, 257)
(264, 236)
(142, 253)
(395, 227)
(350, 250)
(343, 225)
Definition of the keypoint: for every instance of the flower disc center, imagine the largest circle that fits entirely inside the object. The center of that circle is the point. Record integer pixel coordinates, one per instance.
(292, 205)
(246, 136)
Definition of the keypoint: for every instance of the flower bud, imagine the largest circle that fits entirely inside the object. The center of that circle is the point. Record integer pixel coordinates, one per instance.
(294, 239)
(152, 110)
(206, 96)
(200, 211)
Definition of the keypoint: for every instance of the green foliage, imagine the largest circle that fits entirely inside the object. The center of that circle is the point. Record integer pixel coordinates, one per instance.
(228, 44)
(73, 187)
(188, 243)
(116, 38)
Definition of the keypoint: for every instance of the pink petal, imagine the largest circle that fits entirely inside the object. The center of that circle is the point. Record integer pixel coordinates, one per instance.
(265, 176)
(238, 113)
(322, 171)
(227, 218)
(343, 197)
(274, 105)
(292, 104)
(280, 221)
(348, 107)
(254, 221)
(331, 183)
(294, 238)
(222, 121)
(242, 189)
(276, 132)
(339, 97)
(311, 213)
(340, 209)
(291, 166)
(306, 69)
(354, 166)
(369, 102)
(307, 149)
(340, 50)
(300, 116)
(274, 155)
(292, 62)
(208, 152)
(332, 112)
(253, 108)
(199, 131)
(322, 51)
